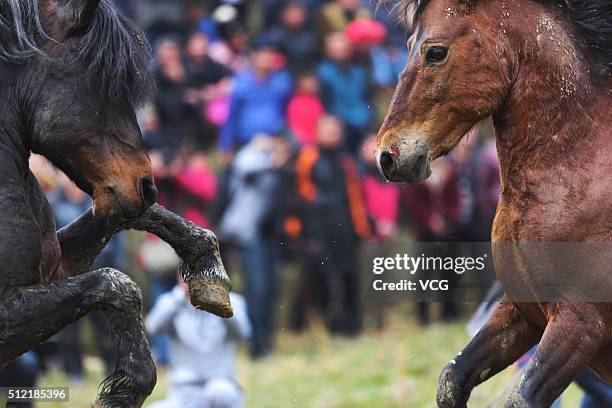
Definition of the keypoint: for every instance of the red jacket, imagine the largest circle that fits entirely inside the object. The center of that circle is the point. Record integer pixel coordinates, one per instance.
(382, 199)
(303, 114)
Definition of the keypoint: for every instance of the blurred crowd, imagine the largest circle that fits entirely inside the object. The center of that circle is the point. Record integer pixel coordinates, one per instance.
(263, 129)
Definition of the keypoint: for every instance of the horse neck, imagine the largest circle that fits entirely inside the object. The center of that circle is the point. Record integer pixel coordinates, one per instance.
(555, 113)
(14, 136)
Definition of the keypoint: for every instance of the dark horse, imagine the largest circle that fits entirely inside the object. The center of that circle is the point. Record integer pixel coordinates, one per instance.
(542, 70)
(71, 74)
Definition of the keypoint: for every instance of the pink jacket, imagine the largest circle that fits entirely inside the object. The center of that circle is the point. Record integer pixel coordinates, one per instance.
(303, 113)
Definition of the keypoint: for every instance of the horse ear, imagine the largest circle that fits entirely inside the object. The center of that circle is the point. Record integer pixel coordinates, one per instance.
(75, 16)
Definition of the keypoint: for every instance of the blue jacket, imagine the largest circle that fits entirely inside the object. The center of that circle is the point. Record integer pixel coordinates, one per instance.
(345, 92)
(256, 107)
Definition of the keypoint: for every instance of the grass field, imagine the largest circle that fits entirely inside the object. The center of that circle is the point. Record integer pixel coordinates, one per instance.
(397, 366)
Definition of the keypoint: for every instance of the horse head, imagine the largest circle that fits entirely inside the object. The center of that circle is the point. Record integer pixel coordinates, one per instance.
(93, 70)
(455, 76)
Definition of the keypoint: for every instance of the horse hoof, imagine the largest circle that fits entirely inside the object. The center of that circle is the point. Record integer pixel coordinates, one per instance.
(210, 295)
(449, 393)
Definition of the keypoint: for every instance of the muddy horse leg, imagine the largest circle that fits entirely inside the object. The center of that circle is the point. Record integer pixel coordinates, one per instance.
(505, 338)
(59, 303)
(81, 242)
(202, 268)
(572, 337)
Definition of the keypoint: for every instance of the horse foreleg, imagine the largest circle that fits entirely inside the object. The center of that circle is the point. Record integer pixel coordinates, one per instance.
(30, 315)
(202, 268)
(81, 242)
(573, 335)
(505, 338)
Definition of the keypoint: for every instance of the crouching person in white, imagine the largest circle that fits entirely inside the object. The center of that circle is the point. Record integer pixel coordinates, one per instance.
(202, 351)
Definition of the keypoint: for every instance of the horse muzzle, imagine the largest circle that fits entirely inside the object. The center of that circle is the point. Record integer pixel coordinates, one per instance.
(411, 166)
(132, 205)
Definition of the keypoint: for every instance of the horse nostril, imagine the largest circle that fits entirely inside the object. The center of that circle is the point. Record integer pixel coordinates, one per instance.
(387, 164)
(148, 191)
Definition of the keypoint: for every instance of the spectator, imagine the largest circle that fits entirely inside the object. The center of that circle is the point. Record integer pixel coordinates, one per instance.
(478, 187)
(433, 207)
(465, 160)
(258, 101)
(345, 88)
(208, 85)
(336, 15)
(368, 37)
(202, 70)
(250, 222)
(197, 185)
(196, 16)
(187, 184)
(232, 51)
(159, 263)
(170, 71)
(295, 38)
(151, 130)
(305, 109)
(334, 219)
(202, 352)
(170, 78)
(382, 198)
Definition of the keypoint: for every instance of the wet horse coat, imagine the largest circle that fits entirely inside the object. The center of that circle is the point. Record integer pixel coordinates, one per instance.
(543, 70)
(71, 74)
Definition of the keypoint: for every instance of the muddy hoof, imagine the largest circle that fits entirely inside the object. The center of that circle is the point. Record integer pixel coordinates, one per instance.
(212, 296)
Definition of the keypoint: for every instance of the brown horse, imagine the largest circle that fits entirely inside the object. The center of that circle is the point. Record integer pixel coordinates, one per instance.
(542, 70)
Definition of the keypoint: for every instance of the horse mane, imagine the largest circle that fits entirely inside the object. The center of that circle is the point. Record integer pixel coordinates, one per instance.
(19, 28)
(592, 20)
(114, 51)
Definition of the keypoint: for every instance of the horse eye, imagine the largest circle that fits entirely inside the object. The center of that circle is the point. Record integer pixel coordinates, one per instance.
(436, 54)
